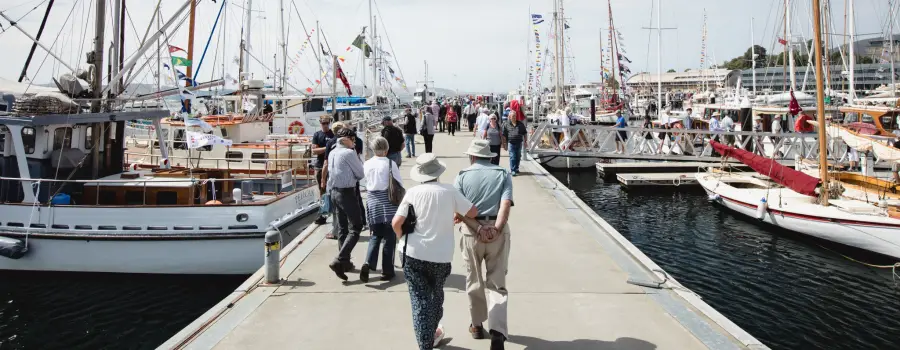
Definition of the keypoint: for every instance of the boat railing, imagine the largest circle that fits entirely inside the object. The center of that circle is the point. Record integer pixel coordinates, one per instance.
(261, 166)
(673, 144)
(137, 191)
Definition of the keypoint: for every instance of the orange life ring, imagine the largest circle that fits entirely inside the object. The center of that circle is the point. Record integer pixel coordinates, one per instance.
(296, 128)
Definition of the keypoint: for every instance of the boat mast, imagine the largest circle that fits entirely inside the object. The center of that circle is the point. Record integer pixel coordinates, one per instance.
(613, 49)
(35, 43)
(851, 13)
(245, 50)
(283, 47)
(820, 105)
(556, 51)
(790, 42)
(374, 50)
(659, 100)
(190, 55)
(753, 55)
(97, 84)
(891, 36)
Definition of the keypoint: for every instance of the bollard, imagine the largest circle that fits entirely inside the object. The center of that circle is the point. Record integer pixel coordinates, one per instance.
(273, 255)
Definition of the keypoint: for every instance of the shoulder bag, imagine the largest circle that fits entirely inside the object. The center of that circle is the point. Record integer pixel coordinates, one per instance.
(408, 227)
(395, 189)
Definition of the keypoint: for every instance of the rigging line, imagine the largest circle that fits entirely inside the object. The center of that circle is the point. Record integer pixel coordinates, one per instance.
(17, 6)
(146, 54)
(174, 30)
(306, 32)
(390, 45)
(46, 55)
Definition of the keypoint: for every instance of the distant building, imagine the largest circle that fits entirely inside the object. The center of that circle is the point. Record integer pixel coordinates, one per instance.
(867, 77)
(690, 81)
(876, 48)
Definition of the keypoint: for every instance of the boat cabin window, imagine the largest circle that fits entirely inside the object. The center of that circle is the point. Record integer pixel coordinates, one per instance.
(107, 197)
(224, 132)
(2, 142)
(234, 156)
(851, 117)
(179, 142)
(279, 107)
(62, 138)
(314, 105)
(262, 156)
(166, 198)
(88, 138)
(887, 122)
(868, 119)
(134, 198)
(28, 139)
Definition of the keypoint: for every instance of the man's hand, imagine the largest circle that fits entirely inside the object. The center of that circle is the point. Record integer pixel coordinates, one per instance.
(487, 234)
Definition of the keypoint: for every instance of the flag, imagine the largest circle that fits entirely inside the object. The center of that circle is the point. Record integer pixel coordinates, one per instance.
(360, 42)
(340, 73)
(782, 41)
(794, 106)
(196, 140)
(623, 58)
(178, 61)
(198, 123)
(566, 25)
(173, 48)
(537, 19)
(309, 90)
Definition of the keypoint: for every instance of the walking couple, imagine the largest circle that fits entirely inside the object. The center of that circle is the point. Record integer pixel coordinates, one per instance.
(478, 206)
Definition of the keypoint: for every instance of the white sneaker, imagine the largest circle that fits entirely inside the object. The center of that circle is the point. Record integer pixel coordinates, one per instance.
(438, 335)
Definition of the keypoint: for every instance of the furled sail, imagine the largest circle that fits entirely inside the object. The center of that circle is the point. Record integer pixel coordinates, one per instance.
(785, 176)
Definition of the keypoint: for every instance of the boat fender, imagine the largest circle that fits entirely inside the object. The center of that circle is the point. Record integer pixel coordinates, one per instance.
(12, 248)
(714, 197)
(761, 209)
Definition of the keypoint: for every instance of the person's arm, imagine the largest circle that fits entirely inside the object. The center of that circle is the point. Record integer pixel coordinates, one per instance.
(503, 214)
(324, 174)
(399, 218)
(356, 166)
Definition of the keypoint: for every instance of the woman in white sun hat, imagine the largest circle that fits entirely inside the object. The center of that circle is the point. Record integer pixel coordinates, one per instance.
(428, 250)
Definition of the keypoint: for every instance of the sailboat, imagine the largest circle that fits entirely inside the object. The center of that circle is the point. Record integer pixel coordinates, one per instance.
(801, 203)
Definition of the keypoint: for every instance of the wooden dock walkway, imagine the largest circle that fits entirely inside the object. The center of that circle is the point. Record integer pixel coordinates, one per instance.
(568, 274)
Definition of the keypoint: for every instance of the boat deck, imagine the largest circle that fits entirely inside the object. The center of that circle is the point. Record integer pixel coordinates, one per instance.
(568, 281)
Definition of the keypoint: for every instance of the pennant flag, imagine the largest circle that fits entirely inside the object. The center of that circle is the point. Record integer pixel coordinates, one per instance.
(173, 48)
(197, 139)
(178, 61)
(782, 41)
(794, 106)
(537, 19)
(360, 42)
(309, 90)
(341, 58)
(623, 58)
(567, 25)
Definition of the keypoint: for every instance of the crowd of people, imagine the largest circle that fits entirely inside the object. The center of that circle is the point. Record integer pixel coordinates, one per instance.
(421, 225)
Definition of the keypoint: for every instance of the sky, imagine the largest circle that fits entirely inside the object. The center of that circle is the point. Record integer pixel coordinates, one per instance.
(469, 45)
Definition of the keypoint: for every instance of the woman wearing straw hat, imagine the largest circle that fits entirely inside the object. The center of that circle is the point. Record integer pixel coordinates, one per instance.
(428, 251)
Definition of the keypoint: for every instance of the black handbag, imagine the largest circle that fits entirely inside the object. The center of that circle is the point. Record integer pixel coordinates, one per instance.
(408, 227)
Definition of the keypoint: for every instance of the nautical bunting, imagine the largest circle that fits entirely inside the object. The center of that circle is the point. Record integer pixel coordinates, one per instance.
(537, 19)
(196, 140)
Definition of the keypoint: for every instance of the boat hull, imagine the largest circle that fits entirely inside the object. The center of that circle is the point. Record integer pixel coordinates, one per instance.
(878, 234)
(563, 162)
(188, 240)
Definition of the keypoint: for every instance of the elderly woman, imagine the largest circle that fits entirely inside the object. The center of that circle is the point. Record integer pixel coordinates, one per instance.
(428, 250)
(379, 170)
(494, 135)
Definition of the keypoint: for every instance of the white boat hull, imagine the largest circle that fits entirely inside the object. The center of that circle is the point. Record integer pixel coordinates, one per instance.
(562, 162)
(150, 240)
(795, 212)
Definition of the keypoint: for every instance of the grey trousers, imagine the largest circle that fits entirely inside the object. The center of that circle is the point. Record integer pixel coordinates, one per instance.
(345, 203)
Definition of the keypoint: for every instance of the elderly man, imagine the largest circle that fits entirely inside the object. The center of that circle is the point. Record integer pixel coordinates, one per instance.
(345, 171)
(394, 136)
(485, 241)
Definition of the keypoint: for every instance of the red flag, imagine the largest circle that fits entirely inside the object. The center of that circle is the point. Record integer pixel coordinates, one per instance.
(782, 41)
(309, 90)
(794, 106)
(173, 48)
(343, 78)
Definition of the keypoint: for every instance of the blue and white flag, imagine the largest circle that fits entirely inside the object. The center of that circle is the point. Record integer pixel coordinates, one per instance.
(196, 140)
(537, 19)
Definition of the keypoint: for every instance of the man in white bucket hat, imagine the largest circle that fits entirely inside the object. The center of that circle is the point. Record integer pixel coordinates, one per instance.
(485, 241)
(428, 250)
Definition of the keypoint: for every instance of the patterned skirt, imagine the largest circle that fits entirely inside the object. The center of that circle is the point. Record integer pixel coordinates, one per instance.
(379, 209)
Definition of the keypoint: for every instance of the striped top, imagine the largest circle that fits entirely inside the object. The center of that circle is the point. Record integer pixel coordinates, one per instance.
(379, 209)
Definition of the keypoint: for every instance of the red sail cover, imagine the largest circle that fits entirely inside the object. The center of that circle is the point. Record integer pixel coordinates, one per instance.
(790, 178)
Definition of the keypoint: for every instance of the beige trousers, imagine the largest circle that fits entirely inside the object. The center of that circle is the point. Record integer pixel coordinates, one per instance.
(495, 259)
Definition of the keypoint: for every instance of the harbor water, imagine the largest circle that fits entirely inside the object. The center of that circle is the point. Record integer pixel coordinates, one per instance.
(787, 291)
(102, 311)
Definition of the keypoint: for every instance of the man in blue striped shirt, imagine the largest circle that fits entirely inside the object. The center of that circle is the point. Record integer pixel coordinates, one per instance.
(345, 169)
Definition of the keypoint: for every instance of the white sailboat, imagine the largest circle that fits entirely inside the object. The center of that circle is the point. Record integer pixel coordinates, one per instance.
(801, 203)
